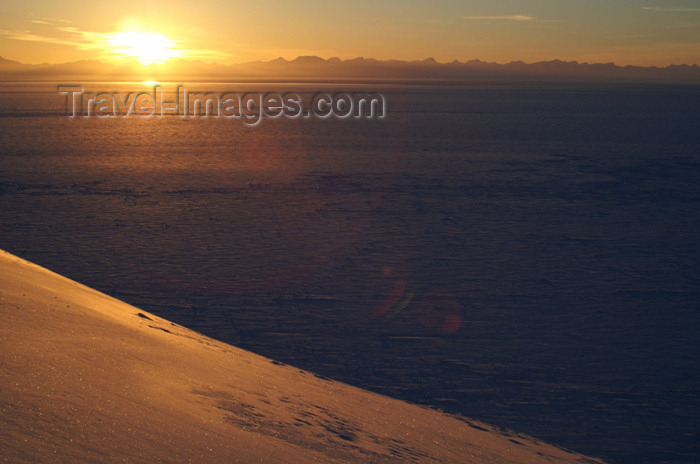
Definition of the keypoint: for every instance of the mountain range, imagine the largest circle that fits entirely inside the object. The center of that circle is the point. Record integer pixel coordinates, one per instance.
(313, 68)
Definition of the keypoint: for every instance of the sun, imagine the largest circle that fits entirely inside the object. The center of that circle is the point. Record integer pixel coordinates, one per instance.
(146, 47)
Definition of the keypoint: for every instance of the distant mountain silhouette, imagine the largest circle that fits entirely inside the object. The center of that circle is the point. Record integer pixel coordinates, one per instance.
(314, 68)
(5, 63)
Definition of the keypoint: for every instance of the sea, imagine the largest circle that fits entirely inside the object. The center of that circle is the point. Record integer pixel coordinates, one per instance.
(523, 253)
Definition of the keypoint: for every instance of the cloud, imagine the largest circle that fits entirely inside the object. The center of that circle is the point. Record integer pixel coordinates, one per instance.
(206, 54)
(86, 40)
(677, 9)
(501, 18)
(99, 42)
(67, 35)
(50, 21)
(27, 36)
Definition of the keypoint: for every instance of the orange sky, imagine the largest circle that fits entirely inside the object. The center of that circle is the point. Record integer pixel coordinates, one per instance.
(623, 31)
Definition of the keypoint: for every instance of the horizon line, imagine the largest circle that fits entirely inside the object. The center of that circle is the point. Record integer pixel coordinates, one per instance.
(429, 59)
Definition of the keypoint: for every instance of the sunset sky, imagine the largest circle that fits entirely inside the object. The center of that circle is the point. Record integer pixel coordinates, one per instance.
(639, 32)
